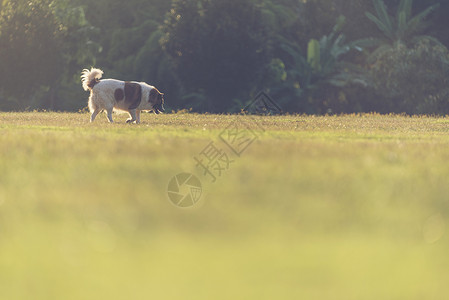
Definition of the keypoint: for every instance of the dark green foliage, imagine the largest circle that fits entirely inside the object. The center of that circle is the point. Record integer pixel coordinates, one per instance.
(408, 70)
(413, 79)
(219, 47)
(30, 45)
(403, 26)
(215, 55)
(41, 44)
(315, 81)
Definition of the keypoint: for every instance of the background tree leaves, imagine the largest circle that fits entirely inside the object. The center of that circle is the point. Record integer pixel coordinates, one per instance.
(215, 55)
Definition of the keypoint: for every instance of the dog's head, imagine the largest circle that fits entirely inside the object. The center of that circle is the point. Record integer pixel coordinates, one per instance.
(157, 100)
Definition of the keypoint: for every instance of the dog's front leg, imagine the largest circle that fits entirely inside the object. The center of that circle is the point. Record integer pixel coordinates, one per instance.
(132, 114)
(94, 114)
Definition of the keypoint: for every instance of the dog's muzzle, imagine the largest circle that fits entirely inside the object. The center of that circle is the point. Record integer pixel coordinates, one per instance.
(158, 108)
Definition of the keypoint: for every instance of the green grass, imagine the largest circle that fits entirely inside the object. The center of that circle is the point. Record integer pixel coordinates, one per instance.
(333, 207)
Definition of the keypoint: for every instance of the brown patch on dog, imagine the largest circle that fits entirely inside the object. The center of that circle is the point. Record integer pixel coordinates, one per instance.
(133, 94)
(119, 95)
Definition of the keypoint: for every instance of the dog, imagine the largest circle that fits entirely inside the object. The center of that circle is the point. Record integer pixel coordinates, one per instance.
(111, 94)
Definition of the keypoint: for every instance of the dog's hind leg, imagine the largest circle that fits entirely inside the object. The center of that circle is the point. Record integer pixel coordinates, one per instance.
(132, 114)
(138, 116)
(109, 114)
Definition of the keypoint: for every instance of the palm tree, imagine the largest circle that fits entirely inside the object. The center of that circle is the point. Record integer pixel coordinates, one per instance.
(323, 62)
(323, 66)
(403, 27)
(408, 68)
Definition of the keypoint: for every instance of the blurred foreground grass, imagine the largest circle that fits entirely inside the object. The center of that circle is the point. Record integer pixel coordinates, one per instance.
(345, 207)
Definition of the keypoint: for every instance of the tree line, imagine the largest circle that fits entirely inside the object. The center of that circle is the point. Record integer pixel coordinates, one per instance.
(315, 56)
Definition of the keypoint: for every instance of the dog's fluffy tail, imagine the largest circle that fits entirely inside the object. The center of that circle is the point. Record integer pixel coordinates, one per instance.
(90, 78)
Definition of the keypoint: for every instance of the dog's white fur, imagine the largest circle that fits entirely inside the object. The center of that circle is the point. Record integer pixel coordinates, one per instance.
(102, 96)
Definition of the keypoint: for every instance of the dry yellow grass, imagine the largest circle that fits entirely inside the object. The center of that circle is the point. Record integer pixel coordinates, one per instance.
(318, 207)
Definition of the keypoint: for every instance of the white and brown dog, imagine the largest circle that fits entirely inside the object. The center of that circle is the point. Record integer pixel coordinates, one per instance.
(110, 94)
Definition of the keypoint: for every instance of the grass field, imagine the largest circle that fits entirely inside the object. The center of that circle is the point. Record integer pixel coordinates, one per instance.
(332, 207)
